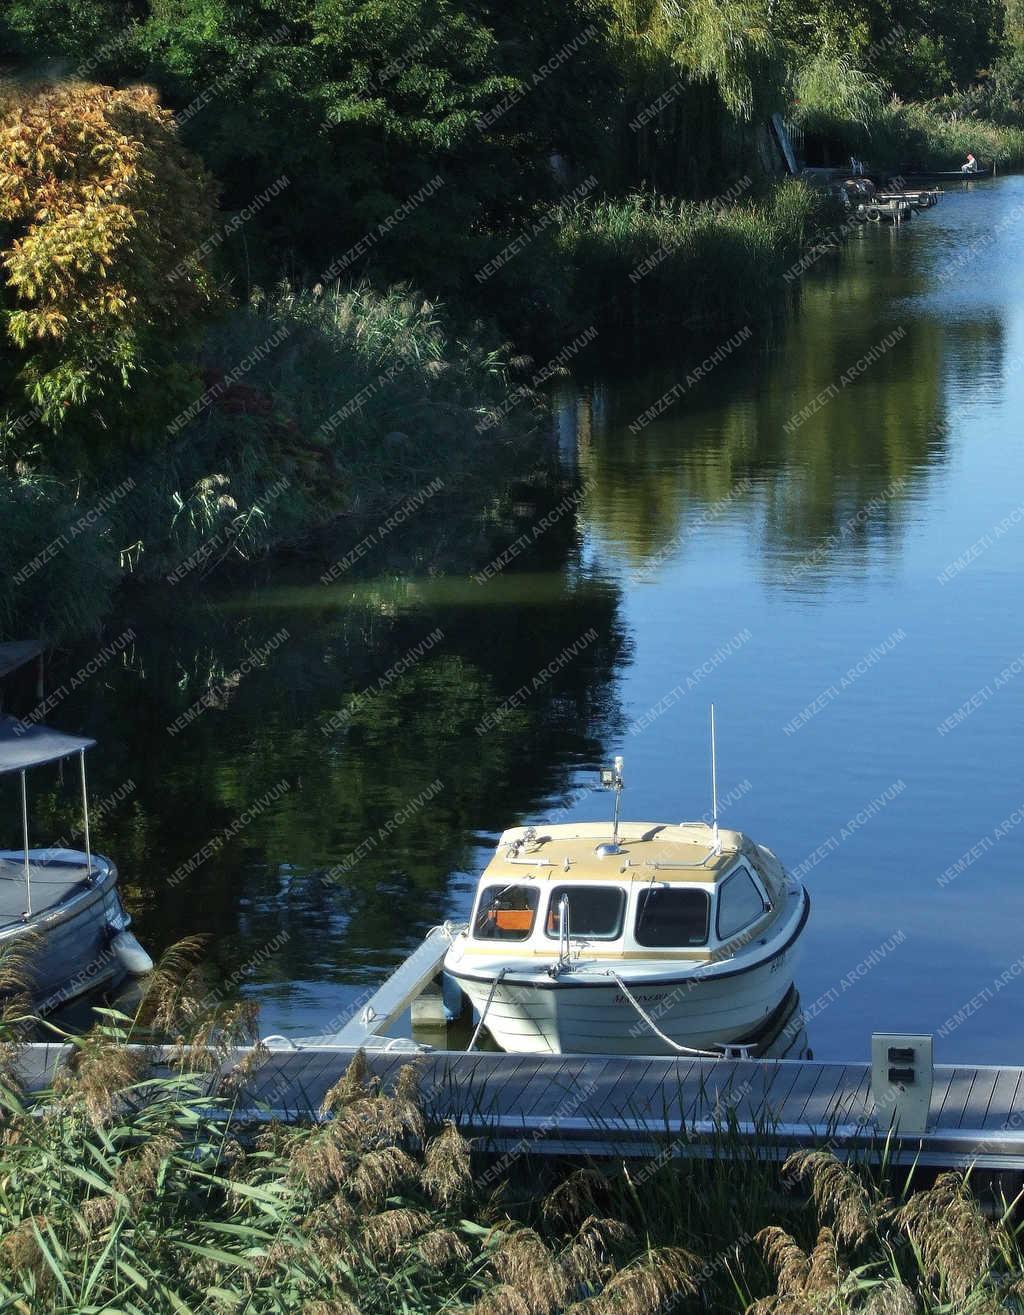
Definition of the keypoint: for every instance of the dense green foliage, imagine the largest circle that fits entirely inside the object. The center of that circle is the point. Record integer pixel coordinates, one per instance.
(360, 105)
(845, 110)
(643, 261)
(353, 402)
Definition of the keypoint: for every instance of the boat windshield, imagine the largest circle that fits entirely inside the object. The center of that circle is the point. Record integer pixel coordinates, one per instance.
(506, 913)
(739, 904)
(594, 911)
(671, 918)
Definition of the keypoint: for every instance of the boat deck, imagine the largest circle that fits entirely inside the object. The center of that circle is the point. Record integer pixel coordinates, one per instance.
(626, 1106)
(56, 875)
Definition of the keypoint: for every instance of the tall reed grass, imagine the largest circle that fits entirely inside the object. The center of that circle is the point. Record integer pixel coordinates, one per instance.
(645, 261)
(364, 398)
(856, 113)
(308, 406)
(153, 1191)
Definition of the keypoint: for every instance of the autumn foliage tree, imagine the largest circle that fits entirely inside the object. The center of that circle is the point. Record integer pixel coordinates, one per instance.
(103, 220)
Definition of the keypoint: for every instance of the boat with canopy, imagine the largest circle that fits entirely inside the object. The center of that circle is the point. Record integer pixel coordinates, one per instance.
(61, 903)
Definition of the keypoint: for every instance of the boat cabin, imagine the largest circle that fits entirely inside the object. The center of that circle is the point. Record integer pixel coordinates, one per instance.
(657, 891)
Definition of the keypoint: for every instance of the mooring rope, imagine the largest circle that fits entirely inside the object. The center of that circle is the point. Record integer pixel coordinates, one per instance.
(490, 997)
(682, 1050)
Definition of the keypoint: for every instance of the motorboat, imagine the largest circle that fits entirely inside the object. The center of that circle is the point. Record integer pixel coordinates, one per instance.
(59, 905)
(643, 938)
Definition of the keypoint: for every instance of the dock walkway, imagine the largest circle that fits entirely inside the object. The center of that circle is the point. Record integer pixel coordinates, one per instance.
(605, 1105)
(628, 1106)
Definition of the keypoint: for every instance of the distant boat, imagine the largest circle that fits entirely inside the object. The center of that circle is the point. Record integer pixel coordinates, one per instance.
(60, 905)
(655, 939)
(943, 175)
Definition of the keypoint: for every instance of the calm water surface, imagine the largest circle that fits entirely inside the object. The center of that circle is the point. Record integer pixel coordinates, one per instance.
(845, 588)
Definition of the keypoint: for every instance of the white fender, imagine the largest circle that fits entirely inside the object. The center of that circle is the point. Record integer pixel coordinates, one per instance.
(132, 956)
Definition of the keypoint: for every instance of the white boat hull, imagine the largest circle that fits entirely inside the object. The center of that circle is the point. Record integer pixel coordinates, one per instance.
(587, 1014)
(713, 977)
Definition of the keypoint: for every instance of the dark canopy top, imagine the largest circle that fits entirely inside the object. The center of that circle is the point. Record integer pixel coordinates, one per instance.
(16, 653)
(23, 745)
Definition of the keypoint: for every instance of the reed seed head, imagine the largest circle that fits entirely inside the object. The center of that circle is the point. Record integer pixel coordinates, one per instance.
(383, 1235)
(442, 1246)
(838, 1192)
(446, 1175)
(952, 1235)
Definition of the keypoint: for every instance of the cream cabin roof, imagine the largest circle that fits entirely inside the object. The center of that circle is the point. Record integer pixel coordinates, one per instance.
(684, 850)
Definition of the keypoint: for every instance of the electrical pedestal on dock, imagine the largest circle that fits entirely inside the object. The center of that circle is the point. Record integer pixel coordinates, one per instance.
(901, 1080)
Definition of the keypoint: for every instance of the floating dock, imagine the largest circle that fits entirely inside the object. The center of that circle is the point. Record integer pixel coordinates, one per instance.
(899, 1105)
(893, 211)
(596, 1105)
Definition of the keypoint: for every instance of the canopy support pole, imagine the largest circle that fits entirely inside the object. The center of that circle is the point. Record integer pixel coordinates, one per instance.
(85, 817)
(24, 840)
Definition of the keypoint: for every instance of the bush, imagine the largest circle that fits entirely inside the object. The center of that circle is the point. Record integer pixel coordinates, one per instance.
(310, 405)
(361, 400)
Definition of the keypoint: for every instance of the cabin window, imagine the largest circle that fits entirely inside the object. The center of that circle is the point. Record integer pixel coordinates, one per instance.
(672, 917)
(506, 913)
(739, 904)
(596, 912)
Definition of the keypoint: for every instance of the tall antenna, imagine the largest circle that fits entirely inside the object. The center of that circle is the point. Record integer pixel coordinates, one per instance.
(714, 785)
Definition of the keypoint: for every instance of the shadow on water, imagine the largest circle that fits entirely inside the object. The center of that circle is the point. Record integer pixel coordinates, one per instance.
(299, 767)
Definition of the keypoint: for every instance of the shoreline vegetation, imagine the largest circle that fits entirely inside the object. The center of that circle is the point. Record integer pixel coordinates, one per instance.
(153, 1194)
(270, 271)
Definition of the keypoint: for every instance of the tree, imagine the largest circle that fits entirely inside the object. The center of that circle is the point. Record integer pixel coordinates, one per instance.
(362, 102)
(102, 219)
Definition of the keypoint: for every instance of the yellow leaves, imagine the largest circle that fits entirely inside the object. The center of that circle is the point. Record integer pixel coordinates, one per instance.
(47, 322)
(105, 201)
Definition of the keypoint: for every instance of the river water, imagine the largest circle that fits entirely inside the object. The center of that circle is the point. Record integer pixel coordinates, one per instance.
(823, 534)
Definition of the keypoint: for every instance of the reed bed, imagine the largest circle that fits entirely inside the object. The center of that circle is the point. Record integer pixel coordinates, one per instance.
(125, 1191)
(305, 406)
(646, 261)
(856, 112)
